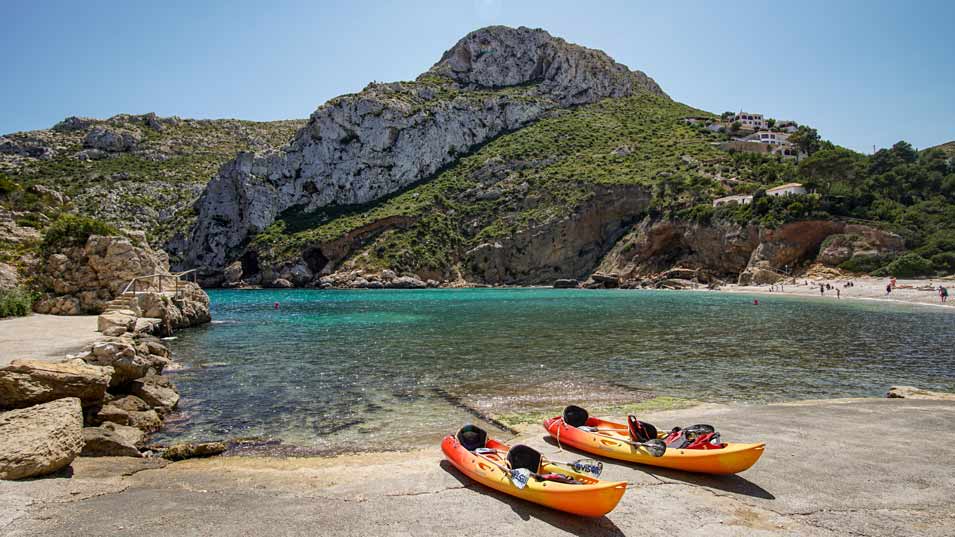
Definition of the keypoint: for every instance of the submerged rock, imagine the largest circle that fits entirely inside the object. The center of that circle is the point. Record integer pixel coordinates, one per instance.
(41, 439)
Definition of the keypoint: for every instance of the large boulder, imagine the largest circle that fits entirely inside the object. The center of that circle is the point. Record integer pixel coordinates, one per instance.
(158, 392)
(116, 322)
(41, 439)
(111, 440)
(29, 382)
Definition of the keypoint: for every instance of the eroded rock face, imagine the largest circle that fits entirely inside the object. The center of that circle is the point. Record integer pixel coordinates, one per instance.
(29, 382)
(499, 56)
(41, 439)
(359, 148)
(84, 279)
(858, 241)
(569, 248)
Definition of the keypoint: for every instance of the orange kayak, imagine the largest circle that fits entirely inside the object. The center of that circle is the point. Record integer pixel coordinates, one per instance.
(611, 442)
(592, 497)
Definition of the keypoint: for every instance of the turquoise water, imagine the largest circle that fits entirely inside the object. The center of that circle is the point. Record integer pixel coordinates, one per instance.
(345, 370)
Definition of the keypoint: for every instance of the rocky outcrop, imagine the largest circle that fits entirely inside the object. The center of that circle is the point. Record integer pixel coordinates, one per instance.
(9, 278)
(359, 148)
(112, 139)
(857, 243)
(570, 247)
(25, 383)
(499, 56)
(84, 279)
(658, 250)
(41, 439)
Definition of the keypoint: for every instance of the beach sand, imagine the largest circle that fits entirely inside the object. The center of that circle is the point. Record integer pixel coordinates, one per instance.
(921, 291)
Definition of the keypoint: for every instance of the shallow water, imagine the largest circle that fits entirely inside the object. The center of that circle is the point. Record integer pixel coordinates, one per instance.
(349, 370)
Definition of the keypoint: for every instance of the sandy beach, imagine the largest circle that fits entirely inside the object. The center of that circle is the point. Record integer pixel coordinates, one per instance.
(922, 292)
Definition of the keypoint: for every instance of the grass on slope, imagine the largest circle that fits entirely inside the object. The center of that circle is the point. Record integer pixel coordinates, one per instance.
(534, 175)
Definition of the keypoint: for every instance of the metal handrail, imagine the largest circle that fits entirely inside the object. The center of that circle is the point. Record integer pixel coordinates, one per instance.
(177, 277)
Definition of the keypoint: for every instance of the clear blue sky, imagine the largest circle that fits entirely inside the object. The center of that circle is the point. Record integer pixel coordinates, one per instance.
(863, 72)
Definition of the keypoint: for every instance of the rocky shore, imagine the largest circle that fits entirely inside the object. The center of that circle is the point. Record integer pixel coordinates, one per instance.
(104, 400)
(821, 475)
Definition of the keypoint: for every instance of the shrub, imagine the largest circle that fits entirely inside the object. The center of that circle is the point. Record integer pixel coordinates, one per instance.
(73, 230)
(16, 302)
(7, 186)
(909, 266)
(864, 263)
(944, 261)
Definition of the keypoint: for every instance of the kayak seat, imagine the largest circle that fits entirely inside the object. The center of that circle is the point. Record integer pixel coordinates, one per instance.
(521, 456)
(472, 437)
(575, 416)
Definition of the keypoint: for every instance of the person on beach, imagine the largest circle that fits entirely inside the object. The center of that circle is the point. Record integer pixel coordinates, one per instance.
(942, 293)
(888, 289)
(822, 290)
(838, 293)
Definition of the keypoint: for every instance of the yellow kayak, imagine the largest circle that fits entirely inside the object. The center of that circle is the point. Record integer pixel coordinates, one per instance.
(588, 497)
(613, 442)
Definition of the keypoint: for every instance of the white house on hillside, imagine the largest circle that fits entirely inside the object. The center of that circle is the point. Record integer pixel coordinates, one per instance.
(753, 121)
(789, 189)
(766, 137)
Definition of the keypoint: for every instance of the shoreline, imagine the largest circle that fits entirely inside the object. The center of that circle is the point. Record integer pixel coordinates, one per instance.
(787, 492)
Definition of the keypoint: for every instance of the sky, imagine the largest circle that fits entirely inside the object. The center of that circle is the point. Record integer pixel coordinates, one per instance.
(864, 73)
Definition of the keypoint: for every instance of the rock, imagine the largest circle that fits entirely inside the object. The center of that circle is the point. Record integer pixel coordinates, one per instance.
(110, 413)
(233, 273)
(111, 440)
(407, 282)
(74, 123)
(498, 56)
(566, 283)
(111, 139)
(157, 392)
(127, 364)
(178, 452)
(130, 403)
(387, 275)
(9, 278)
(911, 392)
(116, 322)
(282, 283)
(609, 281)
(41, 439)
(29, 382)
(361, 147)
(145, 420)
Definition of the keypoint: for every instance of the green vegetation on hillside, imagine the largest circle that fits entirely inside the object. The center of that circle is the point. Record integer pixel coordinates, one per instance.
(150, 187)
(526, 178)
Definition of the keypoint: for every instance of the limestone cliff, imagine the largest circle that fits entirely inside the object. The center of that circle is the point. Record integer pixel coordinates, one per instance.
(744, 254)
(360, 148)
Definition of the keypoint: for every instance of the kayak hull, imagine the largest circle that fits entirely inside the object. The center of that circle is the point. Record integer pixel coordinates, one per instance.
(595, 498)
(732, 459)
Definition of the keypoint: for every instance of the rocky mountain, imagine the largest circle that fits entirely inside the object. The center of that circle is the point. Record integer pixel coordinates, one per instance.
(517, 158)
(140, 172)
(359, 148)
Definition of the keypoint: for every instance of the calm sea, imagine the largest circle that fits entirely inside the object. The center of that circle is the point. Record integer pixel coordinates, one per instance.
(354, 370)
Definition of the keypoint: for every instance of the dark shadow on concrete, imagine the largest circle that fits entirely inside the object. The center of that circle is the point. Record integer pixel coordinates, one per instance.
(577, 525)
(735, 483)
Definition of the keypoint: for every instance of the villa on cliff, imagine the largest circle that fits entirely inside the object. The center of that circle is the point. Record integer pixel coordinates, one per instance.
(788, 189)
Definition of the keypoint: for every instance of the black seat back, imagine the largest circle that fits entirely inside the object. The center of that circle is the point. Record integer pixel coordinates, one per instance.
(521, 456)
(472, 437)
(575, 416)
